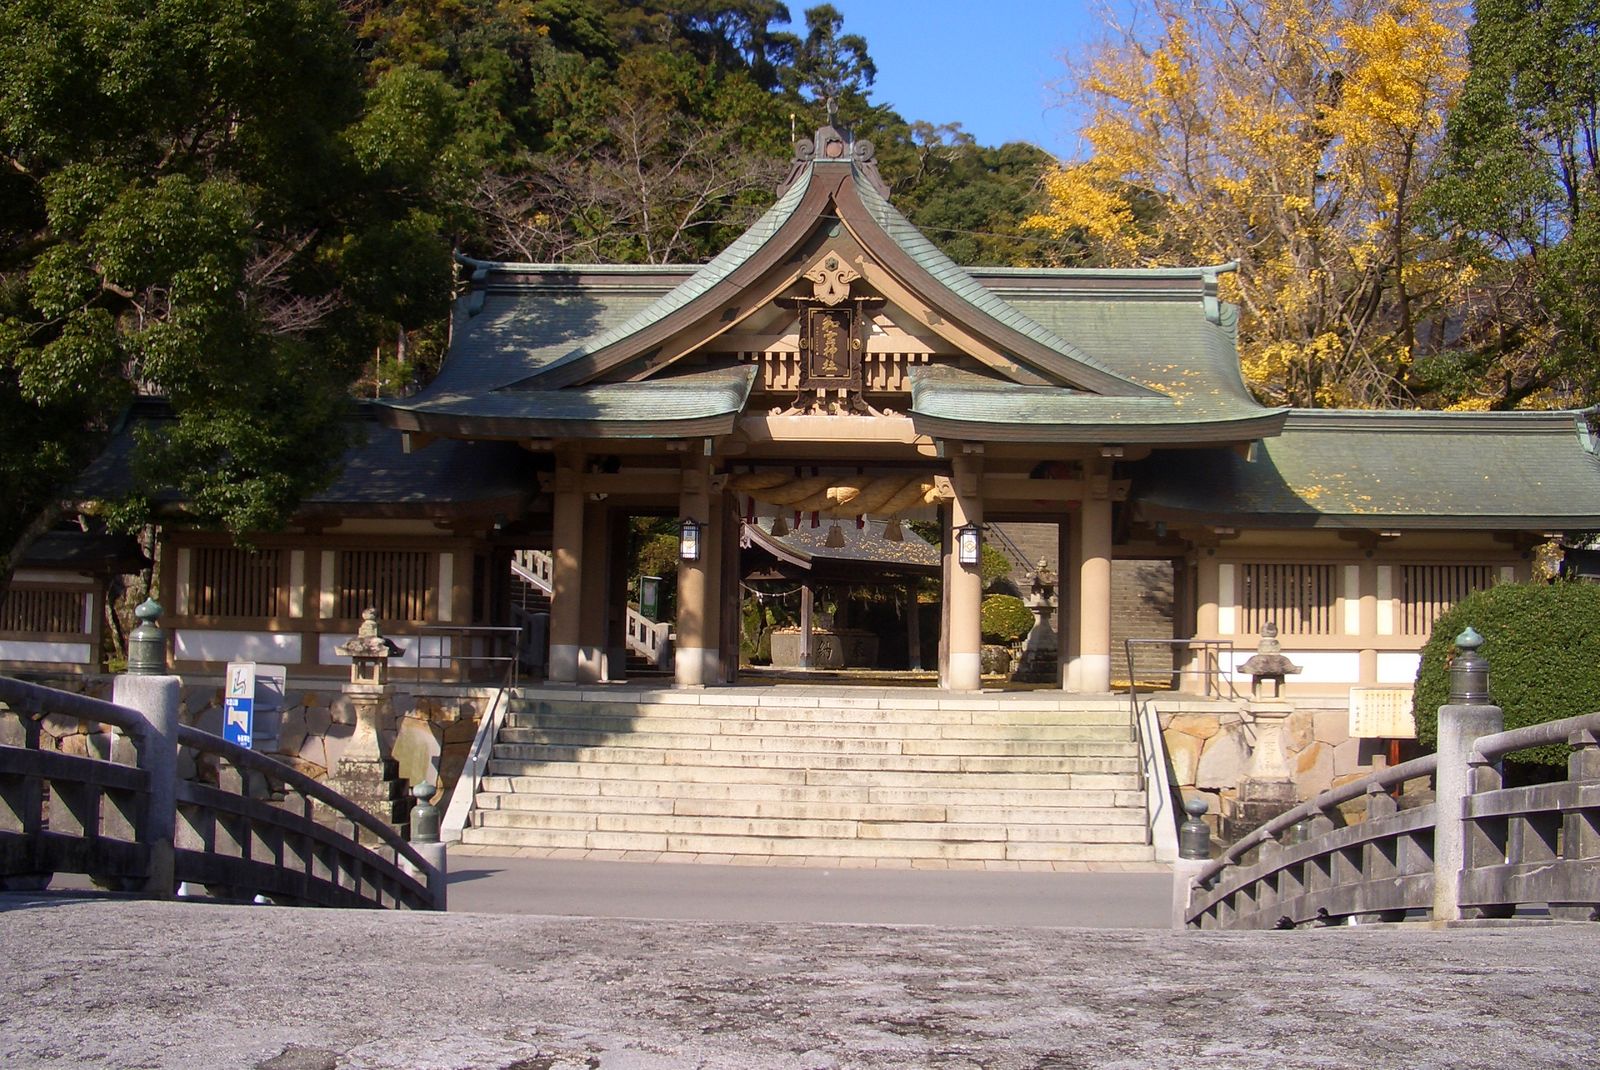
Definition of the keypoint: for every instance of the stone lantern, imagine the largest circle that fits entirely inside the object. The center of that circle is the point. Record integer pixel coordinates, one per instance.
(1267, 666)
(369, 652)
(1040, 649)
(1267, 789)
(364, 774)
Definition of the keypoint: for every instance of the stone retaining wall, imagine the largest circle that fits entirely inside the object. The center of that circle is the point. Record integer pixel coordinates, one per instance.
(1210, 749)
(427, 733)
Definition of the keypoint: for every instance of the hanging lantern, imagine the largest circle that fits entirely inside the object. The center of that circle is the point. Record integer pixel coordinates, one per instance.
(835, 536)
(689, 540)
(969, 537)
(892, 532)
(780, 526)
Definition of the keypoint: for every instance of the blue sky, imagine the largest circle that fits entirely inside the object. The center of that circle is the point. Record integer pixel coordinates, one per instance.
(986, 64)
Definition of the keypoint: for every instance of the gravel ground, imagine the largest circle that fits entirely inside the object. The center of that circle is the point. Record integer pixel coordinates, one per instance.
(128, 984)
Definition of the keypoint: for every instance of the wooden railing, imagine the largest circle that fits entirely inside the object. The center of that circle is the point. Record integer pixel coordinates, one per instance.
(1523, 848)
(649, 639)
(537, 567)
(261, 829)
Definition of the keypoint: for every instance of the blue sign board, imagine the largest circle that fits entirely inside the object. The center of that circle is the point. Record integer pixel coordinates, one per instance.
(238, 720)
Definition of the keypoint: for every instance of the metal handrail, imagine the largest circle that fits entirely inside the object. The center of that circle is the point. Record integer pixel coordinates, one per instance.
(440, 660)
(459, 809)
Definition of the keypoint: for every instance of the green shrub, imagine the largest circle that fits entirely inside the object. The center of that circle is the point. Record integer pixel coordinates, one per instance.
(1005, 619)
(1542, 642)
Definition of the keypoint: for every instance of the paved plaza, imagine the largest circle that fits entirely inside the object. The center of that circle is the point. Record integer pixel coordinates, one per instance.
(116, 983)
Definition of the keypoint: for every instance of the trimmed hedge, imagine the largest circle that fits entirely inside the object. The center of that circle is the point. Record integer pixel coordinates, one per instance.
(1542, 642)
(1004, 619)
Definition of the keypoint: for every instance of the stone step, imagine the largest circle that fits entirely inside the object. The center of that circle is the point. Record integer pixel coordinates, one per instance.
(1058, 798)
(916, 712)
(693, 726)
(787, 759)
(823, 777)
(789, 828)
(807, 744)
(812, 846)
(1062, 816)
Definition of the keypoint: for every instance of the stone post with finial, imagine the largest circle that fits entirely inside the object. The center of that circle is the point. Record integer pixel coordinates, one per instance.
(1468, 715)
(148, 688)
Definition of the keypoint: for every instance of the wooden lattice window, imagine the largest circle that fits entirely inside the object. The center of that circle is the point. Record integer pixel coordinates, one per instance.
(225, 581)
(39, 611)
(1426, 591)
(394, 582)
(1299, 599)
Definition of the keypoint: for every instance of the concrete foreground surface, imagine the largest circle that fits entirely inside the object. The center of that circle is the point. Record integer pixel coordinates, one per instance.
(120, 983)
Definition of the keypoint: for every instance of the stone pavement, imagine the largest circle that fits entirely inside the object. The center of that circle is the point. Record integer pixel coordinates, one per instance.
(118, 983)
(612, 884)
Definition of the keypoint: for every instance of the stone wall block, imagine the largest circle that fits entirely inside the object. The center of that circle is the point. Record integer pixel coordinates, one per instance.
(57, 725)
(12, 734)
(1313, 769)
(292, 730)
(1333, 726)
(209, 720)
(1199, 725)
(1224, 760)
(314, 752)
(1346, 757)
(1184, 750)
(317, 719)
(1298, 731)
(342, 711)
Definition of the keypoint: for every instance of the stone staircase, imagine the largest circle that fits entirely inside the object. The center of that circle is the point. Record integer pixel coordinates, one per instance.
(908, 775)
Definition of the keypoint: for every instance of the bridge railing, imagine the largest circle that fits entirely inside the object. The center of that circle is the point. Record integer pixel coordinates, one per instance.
(1535, 847)
(252, 827)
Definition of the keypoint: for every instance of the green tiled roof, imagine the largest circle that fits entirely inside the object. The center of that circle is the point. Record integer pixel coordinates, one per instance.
(959, 282)
(646, 409)
(947, 403)
(714, 271)
(1525, 471)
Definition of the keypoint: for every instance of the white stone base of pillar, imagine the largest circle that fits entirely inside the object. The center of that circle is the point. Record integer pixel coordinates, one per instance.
(563, 663)
(966, 671)
(1094, 673)
(689, 666)
(591, 664)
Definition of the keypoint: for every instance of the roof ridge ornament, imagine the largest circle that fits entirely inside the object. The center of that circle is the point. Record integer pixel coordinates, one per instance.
(833, 144)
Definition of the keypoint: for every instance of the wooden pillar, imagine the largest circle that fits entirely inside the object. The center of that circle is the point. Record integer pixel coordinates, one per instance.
(566, 581)
(729, 585)
(1367, 621)
(1069, 535)
(806, 600)
(913, 628)
(596, 594)
(1207, 593)
(689, 656)
(945, 551)
(966, 581)
(616, 663)
(1094, 596)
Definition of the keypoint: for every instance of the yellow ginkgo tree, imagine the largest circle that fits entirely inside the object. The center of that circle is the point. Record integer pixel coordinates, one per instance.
(1293, 137)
